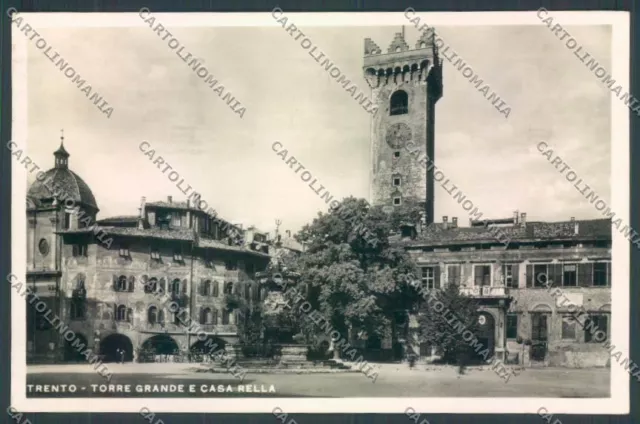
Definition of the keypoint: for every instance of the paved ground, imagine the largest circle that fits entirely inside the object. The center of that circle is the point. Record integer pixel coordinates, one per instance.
(393, 381)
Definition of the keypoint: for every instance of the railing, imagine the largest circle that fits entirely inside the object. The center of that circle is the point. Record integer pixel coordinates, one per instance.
(487, 291)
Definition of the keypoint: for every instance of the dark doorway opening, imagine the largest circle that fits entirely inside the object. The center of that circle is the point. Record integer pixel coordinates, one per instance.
(112, 344)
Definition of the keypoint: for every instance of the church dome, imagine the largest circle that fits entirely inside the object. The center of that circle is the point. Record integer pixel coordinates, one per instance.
(61, 176)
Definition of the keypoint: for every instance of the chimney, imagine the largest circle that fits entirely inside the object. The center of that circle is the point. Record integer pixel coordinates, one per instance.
(141, 213)
(454, 222)
(445, 223)
(169, 199)
(515, 217)
(573, 219)
(188, 203)
(523, 218)
(288, 233)
(576, 228)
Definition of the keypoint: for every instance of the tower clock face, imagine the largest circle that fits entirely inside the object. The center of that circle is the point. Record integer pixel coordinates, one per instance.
(398, 135)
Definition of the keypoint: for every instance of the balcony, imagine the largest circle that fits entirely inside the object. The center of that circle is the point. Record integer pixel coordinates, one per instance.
(486, 291)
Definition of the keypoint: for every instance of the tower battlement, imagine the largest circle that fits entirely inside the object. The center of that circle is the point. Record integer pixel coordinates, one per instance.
(402, 64)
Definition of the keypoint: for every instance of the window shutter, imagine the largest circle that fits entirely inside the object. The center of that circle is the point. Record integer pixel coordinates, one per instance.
(201, 287)
(132, 282)
(609, 282)
(514, 275)
(184, 286)
(585, 275)
(115, 282)
(215, 288)
(529, 275)
(436, 276)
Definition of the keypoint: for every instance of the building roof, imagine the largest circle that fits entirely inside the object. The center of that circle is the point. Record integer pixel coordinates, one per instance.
(187, 207)
(69, 182)
(437, 234)
(177, 234)
(121, 219)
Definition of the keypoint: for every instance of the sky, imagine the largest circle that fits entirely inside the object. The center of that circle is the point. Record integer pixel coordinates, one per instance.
(289, 98)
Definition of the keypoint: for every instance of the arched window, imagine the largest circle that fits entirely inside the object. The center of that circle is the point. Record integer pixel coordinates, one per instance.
(122, 283)
(151, 286)
(214, 317)
(132, 282)
(228, 288)
(225, 316)
(399, 104)
(207, 288)
(215, 291)
(175, 286)
(152, 315)
(205, 316)
(121, 313)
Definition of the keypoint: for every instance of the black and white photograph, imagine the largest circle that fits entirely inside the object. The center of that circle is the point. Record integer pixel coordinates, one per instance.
(280, 212)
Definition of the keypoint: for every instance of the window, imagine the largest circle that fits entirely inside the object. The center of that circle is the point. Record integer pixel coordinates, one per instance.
(601, 274)
(568, 327)
(397, 201)
(539, 275)
(396, 181)
(160, 316)
(396, 154)
(228, 288)
(177, 256)
(131, 283)
(510, 275)
(206, 288)
(205, 316)
(231, 265)
(596, 329)
(121, 285)
(162, 287)
(67, 220)
(399, 103)
(79, 250)
(155, 255)
(43, 247)
(121, 313)
(214, 317)
(152, 315)
(225, 316)
(80, 282)
(512, 326)
(453, 274)
(175, 286)
(151, 286)
(77, 309)
(215, 290)
(124, 251)
(482, 275)
(430, 277)
(176, 220)
(569, 275)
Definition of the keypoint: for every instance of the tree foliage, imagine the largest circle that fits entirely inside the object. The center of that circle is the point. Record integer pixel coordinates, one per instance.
(353, 274)
(439, 328)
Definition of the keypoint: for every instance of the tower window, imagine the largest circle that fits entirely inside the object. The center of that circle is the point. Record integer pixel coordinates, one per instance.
(399, 104)
(396, 154)
(396, 181)
(67, 221)
(397, 201)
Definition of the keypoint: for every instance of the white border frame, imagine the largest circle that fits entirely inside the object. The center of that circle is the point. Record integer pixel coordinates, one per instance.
(617, 404)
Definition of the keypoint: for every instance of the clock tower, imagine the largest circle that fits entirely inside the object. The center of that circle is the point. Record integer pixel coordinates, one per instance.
(405, 86)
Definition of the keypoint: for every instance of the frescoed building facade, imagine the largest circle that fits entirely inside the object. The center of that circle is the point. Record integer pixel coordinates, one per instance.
(102, 278)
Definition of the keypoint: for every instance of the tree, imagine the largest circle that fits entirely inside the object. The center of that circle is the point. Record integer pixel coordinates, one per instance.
(354, 276)
(442, 327)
